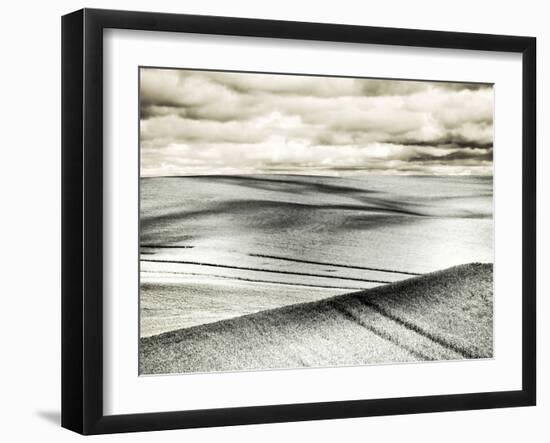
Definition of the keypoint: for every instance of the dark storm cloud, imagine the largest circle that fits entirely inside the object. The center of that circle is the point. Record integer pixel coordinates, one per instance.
(464, 155)
(449, 143)
(195, 122)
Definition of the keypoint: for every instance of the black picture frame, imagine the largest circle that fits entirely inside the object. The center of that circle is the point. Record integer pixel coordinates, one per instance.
(82, 219)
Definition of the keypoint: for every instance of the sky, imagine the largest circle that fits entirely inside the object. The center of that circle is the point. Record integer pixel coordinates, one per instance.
(211, 122)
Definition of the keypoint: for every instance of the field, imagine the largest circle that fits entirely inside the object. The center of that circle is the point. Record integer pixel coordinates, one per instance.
(224, 258)
(218, 247)
(445, 315)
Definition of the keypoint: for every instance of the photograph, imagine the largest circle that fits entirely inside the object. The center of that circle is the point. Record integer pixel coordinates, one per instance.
(298, 220)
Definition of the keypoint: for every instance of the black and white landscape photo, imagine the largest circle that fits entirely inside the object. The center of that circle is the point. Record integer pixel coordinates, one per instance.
(295, 221)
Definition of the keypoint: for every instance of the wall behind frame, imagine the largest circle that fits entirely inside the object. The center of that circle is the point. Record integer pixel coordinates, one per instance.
(30, 187)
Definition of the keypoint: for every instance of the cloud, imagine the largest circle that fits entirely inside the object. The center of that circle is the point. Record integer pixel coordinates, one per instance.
(196, 122)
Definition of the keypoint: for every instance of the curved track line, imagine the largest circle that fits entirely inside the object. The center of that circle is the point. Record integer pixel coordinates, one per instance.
(255, 281)
(243, 268)
(351, 316)
(391, 271)
(419, 330)
(165, 246)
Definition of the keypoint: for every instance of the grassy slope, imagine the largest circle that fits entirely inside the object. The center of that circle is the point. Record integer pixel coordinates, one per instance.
(439, 316)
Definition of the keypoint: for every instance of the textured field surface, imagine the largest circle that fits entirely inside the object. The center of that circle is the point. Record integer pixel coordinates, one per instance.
(219, 247)
(444, 315)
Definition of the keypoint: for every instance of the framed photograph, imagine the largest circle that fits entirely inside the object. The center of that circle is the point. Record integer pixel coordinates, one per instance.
(268, 221)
